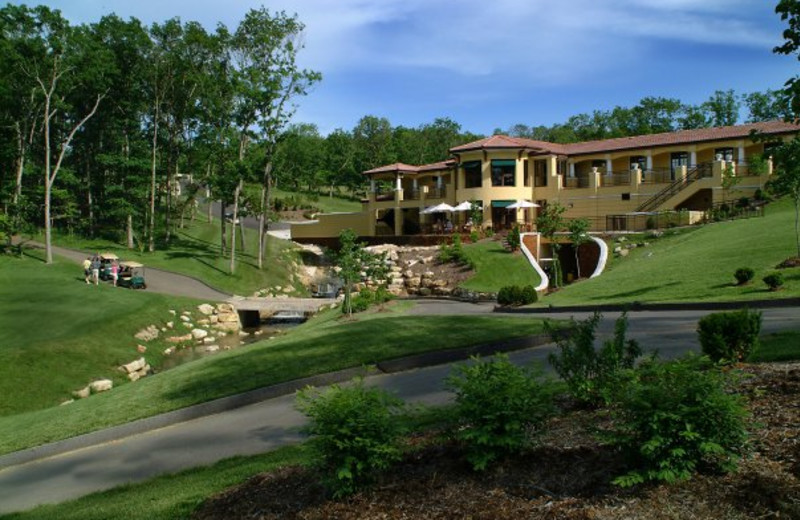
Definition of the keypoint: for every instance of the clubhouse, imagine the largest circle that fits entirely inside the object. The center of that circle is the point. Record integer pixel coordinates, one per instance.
(611, 182)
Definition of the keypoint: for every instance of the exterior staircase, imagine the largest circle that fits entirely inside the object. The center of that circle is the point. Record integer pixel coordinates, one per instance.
(697, 172)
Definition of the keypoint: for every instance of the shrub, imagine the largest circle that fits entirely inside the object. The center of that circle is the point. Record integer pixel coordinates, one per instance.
(591, 374)
(474, 236)
(496, 404)
(729, 336)
(774, 281)
(676, 418)
(367, 297)
(514, 239)
(354, 433)
(744, 275)
(454, 253)
(516, 295)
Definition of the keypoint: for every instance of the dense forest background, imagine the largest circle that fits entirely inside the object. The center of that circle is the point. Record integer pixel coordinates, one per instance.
(98, 120)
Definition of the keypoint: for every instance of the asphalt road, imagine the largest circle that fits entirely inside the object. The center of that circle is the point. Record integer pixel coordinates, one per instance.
(274, 422)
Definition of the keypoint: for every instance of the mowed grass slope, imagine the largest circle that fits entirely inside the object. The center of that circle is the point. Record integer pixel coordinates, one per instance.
(195, 251)
(325, 343)
(698, 266)
(495, 267)
(325, 203)
(57, 333)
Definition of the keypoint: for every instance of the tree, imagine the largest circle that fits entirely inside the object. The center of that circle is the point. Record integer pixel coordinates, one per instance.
(786, 180)
(789, 11)
(577, 234)
(352, 259)
(549, 222)
(766, 106)
(722, 108)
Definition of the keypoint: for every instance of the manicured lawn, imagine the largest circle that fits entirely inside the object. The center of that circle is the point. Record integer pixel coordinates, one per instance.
(779, 346)
(325, 343)
(168, 497)
(57, 333)
(697, 266)
(195, 252)
(325, 203)
(497, 267)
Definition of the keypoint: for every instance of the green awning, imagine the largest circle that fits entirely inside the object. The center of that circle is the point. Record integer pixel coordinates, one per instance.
(502, 203)
(504, 162)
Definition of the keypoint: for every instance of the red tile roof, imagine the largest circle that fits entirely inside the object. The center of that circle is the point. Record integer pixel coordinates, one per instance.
(681, 137)
(392, 168)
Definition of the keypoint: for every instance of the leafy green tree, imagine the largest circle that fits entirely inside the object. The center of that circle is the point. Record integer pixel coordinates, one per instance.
(766, 106)
(789, 11)
(786, 180)
(549, 222)
(352, 260)
(578, 235)
(372, 137)
(723, 108)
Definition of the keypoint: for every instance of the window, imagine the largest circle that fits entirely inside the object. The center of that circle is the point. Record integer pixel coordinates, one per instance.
(540, 174)
(526, 175)
(724, 154)
(600, 164)
(641, 160)
(472, 174)
(677, 159)
(626, 196)
(503, 171)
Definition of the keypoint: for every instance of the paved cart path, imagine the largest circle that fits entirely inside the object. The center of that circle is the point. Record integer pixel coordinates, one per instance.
(274, 422)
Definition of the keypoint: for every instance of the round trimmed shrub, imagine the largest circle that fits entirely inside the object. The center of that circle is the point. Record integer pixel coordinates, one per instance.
(774, 281)
(729, 336)
(744, 275)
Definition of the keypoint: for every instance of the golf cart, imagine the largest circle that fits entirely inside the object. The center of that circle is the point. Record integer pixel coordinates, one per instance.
(106, 259)
(131, 275)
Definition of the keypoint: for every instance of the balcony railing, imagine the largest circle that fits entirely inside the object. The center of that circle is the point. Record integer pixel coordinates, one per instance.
(657, 176)
(412, 194)
(437, 193)
(615, 179)
(576, 182)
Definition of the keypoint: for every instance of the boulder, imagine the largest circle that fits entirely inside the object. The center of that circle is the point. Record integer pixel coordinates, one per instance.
(101, 385)
(135, 366)
(134, 376)
(83, 393)
(141, 349)
(212, 348)
(206, 309)
(204, 321)
(213, 319)
(68, 401)
(208, 340)
(170, 324)
(188, 325)
(185, 319)
(180, 339)
(173, 312)
(199, 333)
(169, 351)
(624, 252)
(147, 334)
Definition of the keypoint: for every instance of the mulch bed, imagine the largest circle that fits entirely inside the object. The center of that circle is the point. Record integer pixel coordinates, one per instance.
(566, 475)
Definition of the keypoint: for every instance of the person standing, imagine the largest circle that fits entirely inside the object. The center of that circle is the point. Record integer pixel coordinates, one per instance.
(87, 269)
(96, 269)
(114, 272)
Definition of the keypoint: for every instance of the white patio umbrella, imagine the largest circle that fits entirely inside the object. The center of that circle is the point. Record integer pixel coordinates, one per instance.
(439, 208)
(522, 204)
(464, 206)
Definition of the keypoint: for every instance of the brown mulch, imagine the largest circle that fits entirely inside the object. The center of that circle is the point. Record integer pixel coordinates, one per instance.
(566, 475)
(790, 262)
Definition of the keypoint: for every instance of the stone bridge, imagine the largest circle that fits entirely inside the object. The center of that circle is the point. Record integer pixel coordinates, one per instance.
(252, 310)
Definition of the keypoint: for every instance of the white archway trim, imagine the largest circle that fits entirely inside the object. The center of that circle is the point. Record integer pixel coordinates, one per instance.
(601, 262)
(545, 283)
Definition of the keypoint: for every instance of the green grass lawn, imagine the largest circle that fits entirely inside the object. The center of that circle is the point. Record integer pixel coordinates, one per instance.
(325, 343)
(195, 252)
(497, 267)
(779, 346)
(325, 203)
(697, 266)
(57, 333)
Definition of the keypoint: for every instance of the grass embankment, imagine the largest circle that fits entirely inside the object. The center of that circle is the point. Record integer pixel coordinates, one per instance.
(325, 343)
(777, 346)
(495, 267)
(697, 266)
(195, 251)
(57, 333)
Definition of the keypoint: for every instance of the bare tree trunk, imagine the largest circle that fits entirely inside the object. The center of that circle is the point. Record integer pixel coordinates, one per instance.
(235, 216)
(21, 150)
(224, 223)
(263, 221)
(129, 233)
(151, 246)
(241, 234)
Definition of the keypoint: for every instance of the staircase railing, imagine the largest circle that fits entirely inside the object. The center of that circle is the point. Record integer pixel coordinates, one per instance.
(697, 172)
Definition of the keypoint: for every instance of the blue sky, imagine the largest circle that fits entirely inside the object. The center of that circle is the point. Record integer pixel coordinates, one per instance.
(493, 64)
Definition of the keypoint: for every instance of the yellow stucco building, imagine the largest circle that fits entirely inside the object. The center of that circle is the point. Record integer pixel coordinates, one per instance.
(610, 182)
